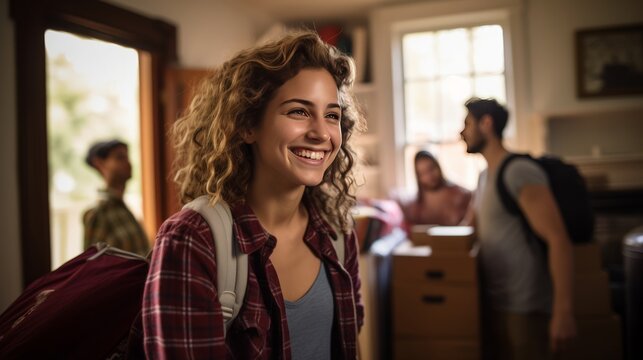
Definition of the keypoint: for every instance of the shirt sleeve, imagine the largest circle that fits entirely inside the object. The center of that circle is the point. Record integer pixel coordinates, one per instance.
(522, 172)
(94, 227)
(182, 316)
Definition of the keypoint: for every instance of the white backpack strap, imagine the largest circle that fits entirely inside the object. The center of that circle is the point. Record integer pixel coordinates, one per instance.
(338, 244)
(232, 264)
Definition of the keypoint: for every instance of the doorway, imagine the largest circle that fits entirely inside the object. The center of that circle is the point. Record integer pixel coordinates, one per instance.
(155, 43)
(92, 95)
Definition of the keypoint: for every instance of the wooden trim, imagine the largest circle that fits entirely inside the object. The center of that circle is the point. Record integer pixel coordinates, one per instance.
(90, 18)
(150, 205)
(31, 96)
(181, 85)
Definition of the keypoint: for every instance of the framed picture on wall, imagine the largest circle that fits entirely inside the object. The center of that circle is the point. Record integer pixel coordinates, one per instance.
(609, 61)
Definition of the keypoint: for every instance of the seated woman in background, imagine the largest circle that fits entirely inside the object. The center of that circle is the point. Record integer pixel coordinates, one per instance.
(438, 200)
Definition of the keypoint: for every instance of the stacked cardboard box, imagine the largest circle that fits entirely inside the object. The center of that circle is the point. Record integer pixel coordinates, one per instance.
(435, 295)
(599, 329)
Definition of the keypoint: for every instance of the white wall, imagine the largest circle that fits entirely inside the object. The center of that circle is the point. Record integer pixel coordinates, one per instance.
(209, 32)
(552, 24)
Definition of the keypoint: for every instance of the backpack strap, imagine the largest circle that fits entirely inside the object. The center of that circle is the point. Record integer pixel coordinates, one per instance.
(510, 204)
(338, 244)
(507, 200)
(232, 264)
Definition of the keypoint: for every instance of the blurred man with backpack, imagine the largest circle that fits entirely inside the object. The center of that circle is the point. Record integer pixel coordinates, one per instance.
(110, 221)
(527, 283)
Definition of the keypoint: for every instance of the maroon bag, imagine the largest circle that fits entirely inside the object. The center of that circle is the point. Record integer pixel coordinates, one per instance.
(82, 310)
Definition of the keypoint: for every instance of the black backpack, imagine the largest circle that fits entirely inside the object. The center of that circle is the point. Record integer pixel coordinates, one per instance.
(569, 190)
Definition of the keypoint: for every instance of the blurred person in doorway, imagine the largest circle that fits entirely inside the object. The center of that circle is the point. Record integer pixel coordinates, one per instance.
(110, 221)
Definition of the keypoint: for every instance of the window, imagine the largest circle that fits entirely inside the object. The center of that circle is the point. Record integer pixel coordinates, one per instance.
(441, 70)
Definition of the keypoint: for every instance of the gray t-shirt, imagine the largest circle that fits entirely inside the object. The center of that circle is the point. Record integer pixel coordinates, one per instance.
(310, 320)
(515, 274)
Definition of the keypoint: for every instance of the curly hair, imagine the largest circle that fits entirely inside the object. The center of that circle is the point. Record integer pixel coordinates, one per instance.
(212, 158)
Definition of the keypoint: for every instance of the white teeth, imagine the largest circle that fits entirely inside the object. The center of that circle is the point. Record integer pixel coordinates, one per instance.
(314, 155)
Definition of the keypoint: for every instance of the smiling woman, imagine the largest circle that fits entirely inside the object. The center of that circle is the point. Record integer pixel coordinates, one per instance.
(268, 133)
(299, 134)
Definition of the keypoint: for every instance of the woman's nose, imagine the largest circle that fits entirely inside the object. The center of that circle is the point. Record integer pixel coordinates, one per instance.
(318, 130)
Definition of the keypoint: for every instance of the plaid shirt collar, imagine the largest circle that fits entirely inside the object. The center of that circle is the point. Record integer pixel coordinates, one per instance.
(109, 195)
(252, 236)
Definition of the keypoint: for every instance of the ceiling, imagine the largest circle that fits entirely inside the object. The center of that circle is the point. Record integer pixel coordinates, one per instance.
(286, 10)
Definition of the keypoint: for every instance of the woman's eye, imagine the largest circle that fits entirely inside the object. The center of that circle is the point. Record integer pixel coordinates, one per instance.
(333, 116)
(298, 112)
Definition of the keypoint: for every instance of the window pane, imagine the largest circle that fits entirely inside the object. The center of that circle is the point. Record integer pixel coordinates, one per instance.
(454, 65)
(491, 87)
(488, 49)
(421, 108)
(419, 56)
(454, 52)
(455, 90)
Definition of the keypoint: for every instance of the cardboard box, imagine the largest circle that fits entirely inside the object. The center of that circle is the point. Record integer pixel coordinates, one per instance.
(450, 267)
(598, 338)
(414, 348)
(437, 311)
(587, 258)
(592, 294)
(443, 239)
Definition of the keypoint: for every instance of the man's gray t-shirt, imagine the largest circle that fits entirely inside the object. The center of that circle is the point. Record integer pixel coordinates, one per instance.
(515, 274)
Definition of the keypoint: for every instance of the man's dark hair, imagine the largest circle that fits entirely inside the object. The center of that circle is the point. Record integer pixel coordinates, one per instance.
(481, 107)
(101, 150)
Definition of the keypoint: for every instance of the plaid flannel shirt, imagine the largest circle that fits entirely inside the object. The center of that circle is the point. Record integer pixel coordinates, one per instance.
(181, 313)
(112, 222)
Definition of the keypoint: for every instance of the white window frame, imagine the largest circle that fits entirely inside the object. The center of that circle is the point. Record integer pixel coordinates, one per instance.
(475, 164)
(387, 28)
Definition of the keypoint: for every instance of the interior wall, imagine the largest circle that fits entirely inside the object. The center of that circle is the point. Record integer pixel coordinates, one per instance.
(552, 25)
(208, 31)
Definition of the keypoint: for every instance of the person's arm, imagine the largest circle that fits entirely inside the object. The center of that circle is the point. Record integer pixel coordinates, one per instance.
(542, 213)
(463, 204)
(181, 313)
(469, 218)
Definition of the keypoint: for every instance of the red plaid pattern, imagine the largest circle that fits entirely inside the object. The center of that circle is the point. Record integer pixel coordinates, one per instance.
(182, 315)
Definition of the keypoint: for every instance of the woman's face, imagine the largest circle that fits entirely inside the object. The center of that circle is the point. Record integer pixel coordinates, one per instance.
(428, 174)
(299, 134)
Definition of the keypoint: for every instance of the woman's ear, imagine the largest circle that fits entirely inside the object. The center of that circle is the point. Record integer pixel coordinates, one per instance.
(248, 136)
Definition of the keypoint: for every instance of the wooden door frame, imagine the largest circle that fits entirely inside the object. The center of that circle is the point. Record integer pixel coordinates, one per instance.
(95, 19)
